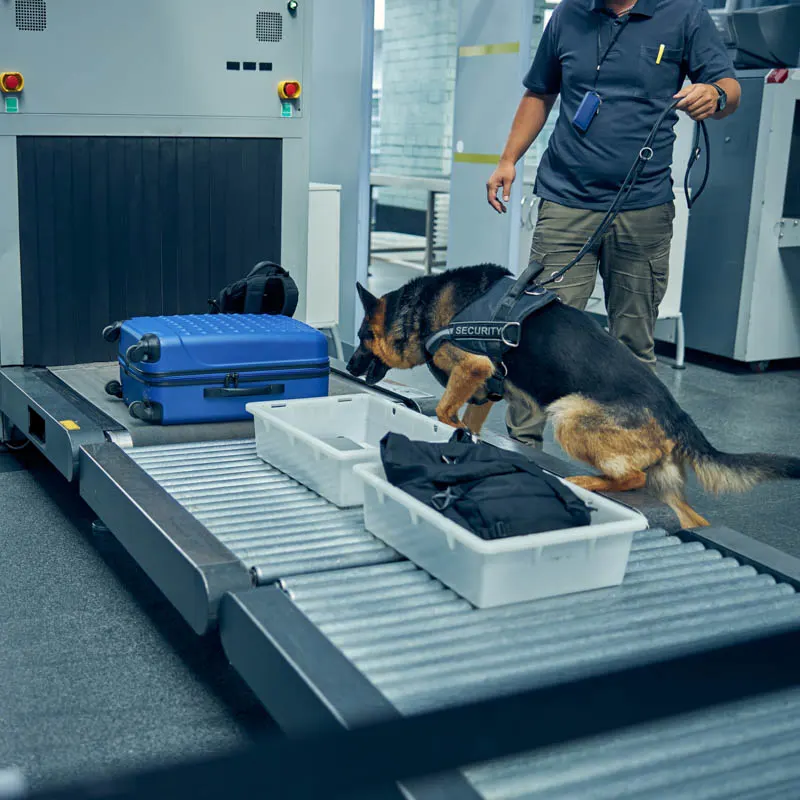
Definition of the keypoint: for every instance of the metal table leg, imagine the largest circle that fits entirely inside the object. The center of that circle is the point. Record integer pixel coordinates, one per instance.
(430, 212)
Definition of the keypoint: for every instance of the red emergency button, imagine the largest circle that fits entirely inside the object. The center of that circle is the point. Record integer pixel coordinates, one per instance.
(289, 90)
(11, 81)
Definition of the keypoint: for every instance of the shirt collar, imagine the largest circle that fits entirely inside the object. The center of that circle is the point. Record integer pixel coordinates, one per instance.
(643, 8)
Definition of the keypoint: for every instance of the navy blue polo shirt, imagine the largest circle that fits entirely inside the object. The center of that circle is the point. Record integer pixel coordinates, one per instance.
(587, 170)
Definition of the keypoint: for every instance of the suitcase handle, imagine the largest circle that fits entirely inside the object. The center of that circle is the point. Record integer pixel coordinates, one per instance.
(244, 391)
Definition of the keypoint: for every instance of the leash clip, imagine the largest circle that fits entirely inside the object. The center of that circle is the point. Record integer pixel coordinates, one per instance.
(646, 153)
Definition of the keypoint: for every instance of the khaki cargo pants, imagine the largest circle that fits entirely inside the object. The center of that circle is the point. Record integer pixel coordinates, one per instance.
(633, 258)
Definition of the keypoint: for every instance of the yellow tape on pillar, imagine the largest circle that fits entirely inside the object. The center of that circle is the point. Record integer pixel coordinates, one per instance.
(476, 158)
(503, 48)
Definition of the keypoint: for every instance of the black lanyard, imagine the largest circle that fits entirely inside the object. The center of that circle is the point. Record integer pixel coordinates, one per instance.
(614, 36)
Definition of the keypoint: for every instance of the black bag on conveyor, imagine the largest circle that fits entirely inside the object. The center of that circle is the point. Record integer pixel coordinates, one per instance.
(267, 289)
(492, 492)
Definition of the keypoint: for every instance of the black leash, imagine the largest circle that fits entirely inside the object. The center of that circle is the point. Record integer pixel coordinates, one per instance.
(509, 311)
(699, 128)
(645, 154)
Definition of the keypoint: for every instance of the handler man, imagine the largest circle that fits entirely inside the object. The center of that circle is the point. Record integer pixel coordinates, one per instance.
(628, 60)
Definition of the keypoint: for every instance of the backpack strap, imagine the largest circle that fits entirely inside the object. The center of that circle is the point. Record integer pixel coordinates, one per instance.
(254, 294)
(291, 294)
(271, 277)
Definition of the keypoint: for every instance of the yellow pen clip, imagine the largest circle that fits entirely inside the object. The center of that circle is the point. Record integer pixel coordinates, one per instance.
(660, 53)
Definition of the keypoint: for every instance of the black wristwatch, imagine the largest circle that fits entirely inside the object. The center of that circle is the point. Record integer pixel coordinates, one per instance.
(722, 100)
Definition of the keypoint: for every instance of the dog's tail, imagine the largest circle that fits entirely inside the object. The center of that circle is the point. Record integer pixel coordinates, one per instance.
(720, 472)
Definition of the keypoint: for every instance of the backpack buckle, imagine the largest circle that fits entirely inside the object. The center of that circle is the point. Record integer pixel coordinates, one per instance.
(441, 501)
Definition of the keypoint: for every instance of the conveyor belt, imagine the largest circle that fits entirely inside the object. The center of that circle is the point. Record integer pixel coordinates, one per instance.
(274, 524)
(423, 648)
(89, 381)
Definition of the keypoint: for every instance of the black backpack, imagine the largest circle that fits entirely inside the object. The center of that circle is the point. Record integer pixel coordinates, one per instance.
(491, 492)
(268, 289)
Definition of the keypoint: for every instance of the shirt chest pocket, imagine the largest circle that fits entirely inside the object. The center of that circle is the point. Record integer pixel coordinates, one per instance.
(659, 73)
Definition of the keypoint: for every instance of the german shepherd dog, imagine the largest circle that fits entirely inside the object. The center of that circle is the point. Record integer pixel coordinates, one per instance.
(608, 409)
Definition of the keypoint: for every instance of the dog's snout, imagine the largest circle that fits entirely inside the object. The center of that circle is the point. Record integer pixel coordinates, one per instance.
(359, 362)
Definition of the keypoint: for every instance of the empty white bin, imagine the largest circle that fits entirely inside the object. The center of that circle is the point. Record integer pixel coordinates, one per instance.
(502, 571)
(318, 441)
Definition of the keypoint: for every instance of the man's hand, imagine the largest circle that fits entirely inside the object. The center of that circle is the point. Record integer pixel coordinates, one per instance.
(699, 100)
(503, 176)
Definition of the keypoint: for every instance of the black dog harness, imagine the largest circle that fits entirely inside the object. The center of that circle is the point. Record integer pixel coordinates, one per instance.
(492, 325)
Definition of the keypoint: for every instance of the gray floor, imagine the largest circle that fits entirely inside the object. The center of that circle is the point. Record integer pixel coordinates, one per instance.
(97, 672)
(738, 410)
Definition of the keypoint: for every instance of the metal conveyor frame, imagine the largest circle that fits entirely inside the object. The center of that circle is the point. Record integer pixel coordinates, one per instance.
(189, 564)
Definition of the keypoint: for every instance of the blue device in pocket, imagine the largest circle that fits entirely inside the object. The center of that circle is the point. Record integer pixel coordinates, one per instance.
(587, 111)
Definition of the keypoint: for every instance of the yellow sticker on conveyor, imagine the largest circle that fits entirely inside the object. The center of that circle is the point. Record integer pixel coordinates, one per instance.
(69, 424)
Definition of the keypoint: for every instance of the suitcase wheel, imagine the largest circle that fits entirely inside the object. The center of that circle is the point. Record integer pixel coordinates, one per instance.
(148, 349)
(114, 388)
(111, 332)
(145, 412)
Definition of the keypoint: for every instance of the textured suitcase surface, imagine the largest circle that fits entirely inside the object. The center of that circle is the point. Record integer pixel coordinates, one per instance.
(206, 368)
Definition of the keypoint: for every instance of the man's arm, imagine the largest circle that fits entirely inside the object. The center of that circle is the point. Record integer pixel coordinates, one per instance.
(542, 85)
(707, 62)
(528, 122)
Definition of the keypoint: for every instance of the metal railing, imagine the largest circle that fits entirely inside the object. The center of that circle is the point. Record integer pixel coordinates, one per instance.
(431, 187)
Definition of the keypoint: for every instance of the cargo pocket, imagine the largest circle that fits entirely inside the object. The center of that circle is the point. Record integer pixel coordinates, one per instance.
(659, 272)
(658, 80)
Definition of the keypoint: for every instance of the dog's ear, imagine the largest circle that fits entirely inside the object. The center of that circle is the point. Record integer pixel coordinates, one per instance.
(368, 300)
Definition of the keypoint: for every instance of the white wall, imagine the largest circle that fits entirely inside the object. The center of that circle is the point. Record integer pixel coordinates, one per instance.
(419, 74)
(418, 65)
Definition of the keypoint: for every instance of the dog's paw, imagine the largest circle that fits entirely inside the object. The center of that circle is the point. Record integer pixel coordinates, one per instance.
(589, 482)
(452, 420)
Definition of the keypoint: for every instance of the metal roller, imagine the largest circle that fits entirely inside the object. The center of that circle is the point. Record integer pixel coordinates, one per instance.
(424, 647)
(274, 524)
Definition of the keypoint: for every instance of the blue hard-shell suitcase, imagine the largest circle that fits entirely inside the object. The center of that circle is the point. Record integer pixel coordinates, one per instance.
(206, 368)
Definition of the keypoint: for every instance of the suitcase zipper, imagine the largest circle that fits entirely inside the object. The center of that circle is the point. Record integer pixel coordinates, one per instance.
(231, 381)
(314, 365)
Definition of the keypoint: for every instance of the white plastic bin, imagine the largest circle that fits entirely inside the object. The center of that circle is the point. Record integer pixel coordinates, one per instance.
(318, 441)
(512, 570)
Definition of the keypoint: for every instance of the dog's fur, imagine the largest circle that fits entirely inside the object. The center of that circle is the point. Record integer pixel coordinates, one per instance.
(608, 409)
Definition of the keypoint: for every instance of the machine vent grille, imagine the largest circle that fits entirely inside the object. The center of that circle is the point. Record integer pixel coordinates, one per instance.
(31, 15)
(269, 26)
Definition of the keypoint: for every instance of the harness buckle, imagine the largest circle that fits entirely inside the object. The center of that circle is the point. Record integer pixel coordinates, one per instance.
(505, 340)
(536, 291)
